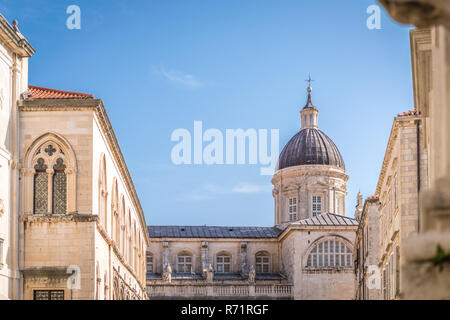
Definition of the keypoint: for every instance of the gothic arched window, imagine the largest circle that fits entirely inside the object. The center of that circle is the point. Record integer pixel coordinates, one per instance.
(49, 176)
(40, 203)
(59, 187)
(331, 253)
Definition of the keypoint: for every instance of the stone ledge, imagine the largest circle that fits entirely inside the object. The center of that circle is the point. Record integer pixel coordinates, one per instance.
(71, 217)
(50, 272)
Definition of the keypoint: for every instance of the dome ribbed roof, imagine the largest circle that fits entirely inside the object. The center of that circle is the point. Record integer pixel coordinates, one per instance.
(308, 147)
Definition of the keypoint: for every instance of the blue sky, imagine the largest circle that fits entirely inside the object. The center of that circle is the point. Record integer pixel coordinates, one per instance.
(160, 65)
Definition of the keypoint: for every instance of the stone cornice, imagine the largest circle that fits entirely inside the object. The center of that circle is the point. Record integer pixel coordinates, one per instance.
(54, 218)
(14, 39)
(398, 122)
(95, 105)
(421, 13)
(290, 228)
(309, 170)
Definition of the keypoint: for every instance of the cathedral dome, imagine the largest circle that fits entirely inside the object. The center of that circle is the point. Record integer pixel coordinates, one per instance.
(310, 146)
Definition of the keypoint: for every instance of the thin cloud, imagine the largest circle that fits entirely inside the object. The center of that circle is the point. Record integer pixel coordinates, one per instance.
(213, 191)
(179, 78)
(248, 188)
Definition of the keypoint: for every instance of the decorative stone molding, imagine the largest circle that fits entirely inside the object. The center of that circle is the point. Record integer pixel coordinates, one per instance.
(421, 13)
(55, 218)
(2, 207)
(436, 207)
(95, 105)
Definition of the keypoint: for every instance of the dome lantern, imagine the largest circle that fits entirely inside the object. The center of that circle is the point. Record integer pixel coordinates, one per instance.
(309, 113)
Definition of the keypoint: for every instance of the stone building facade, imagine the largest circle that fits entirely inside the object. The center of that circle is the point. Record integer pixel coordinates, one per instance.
(367, 250)
(415, 232)
(308, 254)
(72, 221)
(403, 175)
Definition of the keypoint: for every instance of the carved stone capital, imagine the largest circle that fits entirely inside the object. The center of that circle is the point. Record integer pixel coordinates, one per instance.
(421, 13)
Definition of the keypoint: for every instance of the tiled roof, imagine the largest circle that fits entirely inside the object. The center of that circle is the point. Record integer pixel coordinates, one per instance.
(212, 232)
(409, 113)
(328, 219)
(46, 93)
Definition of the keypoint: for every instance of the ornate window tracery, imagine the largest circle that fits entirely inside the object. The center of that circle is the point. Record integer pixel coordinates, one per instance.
(49, 176)
(40, 187)
(59, 187)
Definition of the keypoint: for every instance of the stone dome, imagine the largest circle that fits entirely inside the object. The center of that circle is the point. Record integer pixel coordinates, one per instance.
(310, 146)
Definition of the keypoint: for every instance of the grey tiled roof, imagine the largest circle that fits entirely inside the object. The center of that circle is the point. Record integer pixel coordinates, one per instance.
(328, 219)
(212, 232)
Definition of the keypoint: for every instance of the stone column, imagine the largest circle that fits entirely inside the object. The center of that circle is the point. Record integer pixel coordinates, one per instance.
(244, 263)
(165, 255)
(204, 251)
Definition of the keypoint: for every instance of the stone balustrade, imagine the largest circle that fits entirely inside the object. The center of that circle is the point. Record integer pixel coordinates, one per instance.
(225, 291)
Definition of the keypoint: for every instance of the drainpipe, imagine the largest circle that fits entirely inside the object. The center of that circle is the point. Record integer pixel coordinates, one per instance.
(14, 187)
(418, 137)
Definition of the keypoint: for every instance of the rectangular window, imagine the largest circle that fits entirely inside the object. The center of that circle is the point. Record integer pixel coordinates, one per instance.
(389, 205)
(292, 209)
(316, 205)
(184, 264)
(149, 263)
(395, 192)
(262, 264)
(48, 295)
(223, 264)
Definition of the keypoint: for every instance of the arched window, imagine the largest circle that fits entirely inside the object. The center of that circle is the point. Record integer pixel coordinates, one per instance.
(262, 262)
(149, 260)
(122, 226)
(59, 187)
(102, 192)
(48, 176)
(40, 187)
(115, 229)
(223, 263)
(184, 262)
(332, 253)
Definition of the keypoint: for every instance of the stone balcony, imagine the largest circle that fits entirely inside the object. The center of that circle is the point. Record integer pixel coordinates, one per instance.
(222, 287)
(220, 291)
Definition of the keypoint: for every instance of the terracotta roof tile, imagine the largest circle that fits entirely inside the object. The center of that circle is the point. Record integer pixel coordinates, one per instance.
(414, 112)
(35, 92)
